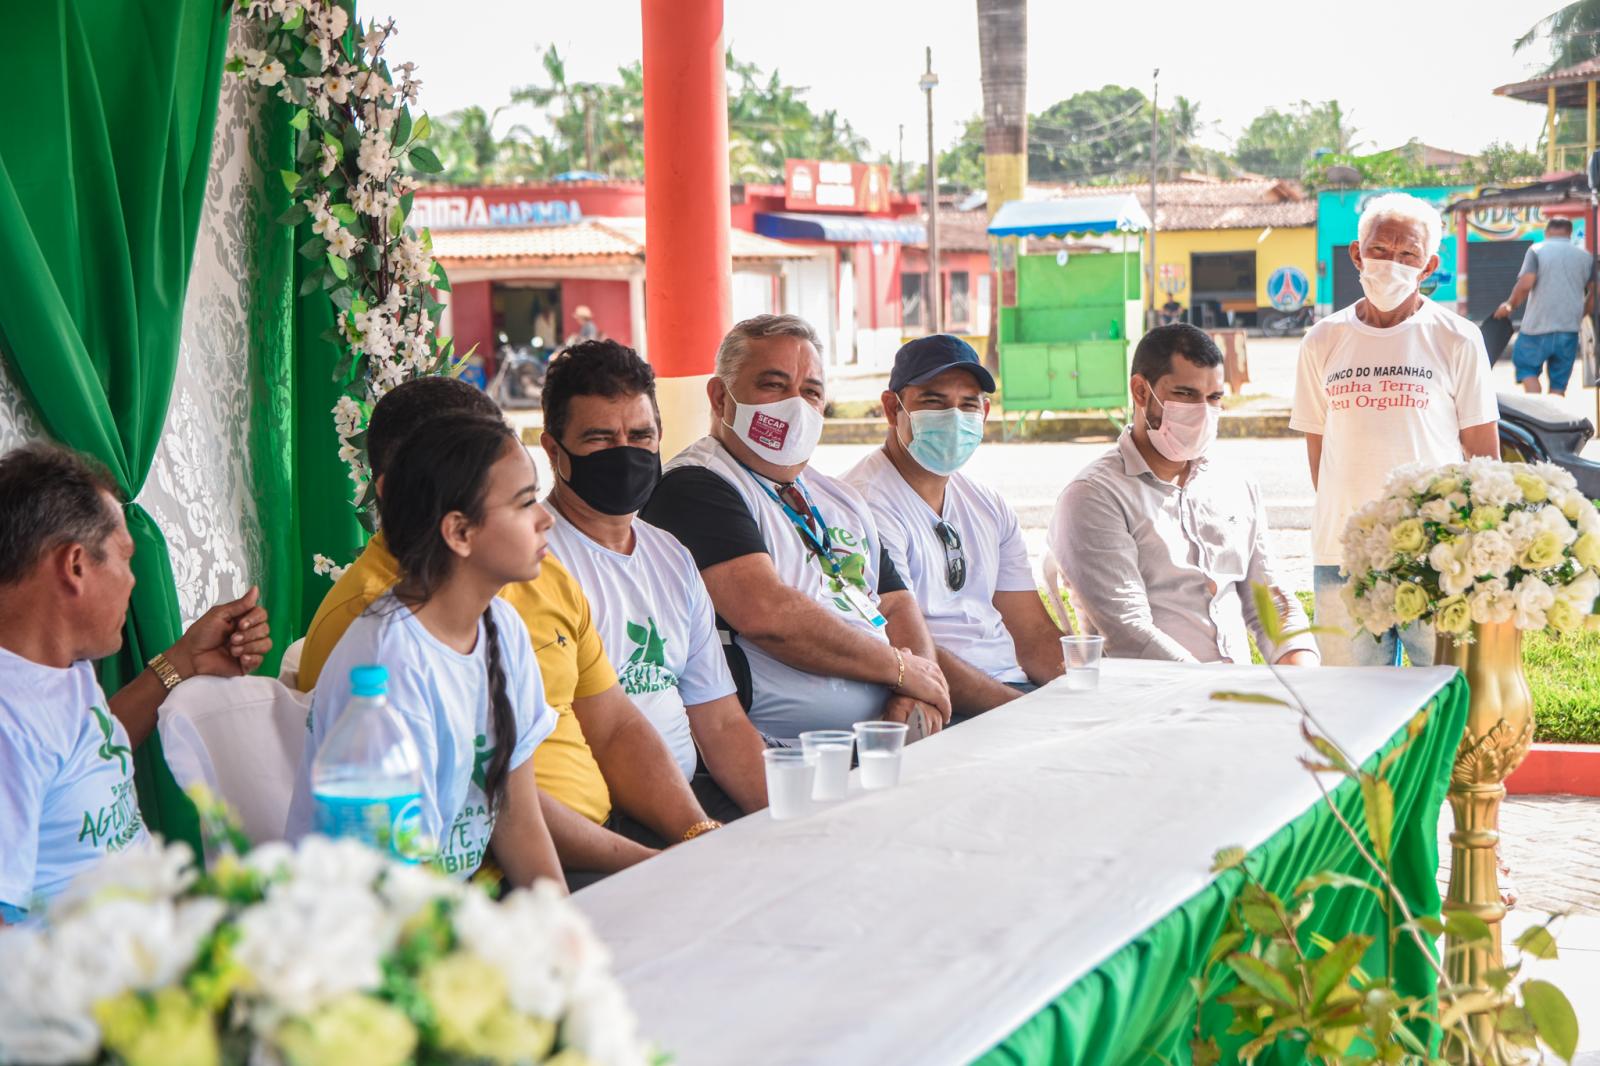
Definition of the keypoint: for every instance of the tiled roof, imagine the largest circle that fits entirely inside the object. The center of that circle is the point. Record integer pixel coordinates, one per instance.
(1207, 205)
(1569, 83)
(592, 240)
(960, 231)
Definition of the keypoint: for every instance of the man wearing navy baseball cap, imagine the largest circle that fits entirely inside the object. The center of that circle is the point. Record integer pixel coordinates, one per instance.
(956, 543)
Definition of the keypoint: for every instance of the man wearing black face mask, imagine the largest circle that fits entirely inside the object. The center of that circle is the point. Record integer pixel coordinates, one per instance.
(603, 438)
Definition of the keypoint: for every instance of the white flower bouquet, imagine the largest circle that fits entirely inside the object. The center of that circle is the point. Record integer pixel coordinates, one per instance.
(1477, 542)
(326, 954)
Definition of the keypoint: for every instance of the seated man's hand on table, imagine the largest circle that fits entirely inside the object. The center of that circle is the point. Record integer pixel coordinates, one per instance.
(230, 640)
(901, 708)
(925, 682)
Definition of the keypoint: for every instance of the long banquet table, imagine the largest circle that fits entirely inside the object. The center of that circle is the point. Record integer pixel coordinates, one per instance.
(1037, 889)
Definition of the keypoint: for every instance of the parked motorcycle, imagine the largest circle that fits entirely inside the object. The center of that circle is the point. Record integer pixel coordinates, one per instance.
(1275, 323)
(1536, 428)
(519, 374)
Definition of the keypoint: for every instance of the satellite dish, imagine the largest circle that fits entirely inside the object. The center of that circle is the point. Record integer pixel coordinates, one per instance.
(1340, 174)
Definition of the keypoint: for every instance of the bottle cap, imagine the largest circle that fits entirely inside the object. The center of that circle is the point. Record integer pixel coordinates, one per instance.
(369, 680)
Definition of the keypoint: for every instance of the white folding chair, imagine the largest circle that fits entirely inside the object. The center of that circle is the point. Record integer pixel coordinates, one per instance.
(289, 666)
(1056, 589)
(242, 738)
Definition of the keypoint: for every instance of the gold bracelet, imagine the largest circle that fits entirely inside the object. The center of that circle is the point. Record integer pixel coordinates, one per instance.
(166, 673)
(900, 661)
(700, 827)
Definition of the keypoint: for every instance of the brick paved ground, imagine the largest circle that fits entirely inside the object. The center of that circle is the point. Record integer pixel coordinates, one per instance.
(1552, 844)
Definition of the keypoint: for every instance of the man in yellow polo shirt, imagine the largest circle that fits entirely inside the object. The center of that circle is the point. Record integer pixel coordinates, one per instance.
(602, 746)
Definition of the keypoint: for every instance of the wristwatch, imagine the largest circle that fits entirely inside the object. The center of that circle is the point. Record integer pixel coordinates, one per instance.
(165, 672)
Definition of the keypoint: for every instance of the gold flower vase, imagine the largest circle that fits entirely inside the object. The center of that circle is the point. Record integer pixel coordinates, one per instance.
(1499, 730)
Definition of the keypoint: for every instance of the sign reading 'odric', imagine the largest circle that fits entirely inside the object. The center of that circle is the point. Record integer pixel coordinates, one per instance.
(473, 212)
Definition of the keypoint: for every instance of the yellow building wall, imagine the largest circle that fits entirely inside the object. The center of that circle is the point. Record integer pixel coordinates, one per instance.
(1295, 246)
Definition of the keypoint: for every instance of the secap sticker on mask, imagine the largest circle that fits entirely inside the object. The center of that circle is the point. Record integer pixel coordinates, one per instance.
(767, 431)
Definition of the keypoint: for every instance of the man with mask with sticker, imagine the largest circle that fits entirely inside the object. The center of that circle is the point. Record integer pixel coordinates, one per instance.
(1162, 545)
(602, 434)
(821, 626)
(956, 543)
(1393, 379)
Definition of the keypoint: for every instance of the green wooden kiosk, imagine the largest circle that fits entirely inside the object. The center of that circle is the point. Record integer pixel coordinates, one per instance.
(1066, 320)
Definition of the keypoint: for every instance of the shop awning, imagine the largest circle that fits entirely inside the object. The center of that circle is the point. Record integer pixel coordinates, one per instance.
(592, 241)
(842, 229)
(1070, 216)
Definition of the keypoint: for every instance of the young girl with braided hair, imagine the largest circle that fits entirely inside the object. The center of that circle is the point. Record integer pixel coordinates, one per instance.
(460, 512)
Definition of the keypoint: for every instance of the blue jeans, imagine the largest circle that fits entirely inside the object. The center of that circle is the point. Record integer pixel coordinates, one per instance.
(1360, 648)
(1532, 351)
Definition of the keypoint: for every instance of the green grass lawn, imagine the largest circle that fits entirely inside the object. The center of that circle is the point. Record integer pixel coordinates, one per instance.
(1565, 678)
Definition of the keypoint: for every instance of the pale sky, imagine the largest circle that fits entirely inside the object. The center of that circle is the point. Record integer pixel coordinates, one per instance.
(1400, 68)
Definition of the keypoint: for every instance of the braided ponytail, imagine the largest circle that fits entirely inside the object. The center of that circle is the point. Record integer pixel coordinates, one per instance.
(502, 721)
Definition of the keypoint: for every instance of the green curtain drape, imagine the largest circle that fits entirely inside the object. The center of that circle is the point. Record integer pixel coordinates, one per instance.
(1137, 1007)
(302, 490)
(104, 153)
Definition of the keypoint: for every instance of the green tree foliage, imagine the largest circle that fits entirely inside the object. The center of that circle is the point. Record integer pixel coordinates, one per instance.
(1502, 163)
(599, 126)
(770, 121)
(1398, 167)
(1282, 143)
(1569, 36)
(1097, 137)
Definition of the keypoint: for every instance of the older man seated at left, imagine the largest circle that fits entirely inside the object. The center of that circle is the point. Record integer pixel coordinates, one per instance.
(1164, 546)
(67, 795)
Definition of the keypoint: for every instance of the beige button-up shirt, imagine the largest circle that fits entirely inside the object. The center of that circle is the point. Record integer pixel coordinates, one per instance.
(1165, 571)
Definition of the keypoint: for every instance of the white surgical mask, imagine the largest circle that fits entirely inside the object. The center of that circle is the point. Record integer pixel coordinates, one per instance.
(1186, 430)
(784, 432)
(1387, 284)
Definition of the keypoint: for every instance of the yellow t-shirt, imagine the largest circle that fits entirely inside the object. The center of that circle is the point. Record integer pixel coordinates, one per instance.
(572, 661)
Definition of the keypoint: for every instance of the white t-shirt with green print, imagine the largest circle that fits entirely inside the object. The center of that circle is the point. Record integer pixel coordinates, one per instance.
(66, 781)
(785, 701)
(655, 619)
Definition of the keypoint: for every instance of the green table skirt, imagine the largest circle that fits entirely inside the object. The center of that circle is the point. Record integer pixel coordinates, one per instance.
(1138, 1005)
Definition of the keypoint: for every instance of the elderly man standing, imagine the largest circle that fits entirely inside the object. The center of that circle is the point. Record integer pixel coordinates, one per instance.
(1162, 546)
(956, 542)
(1555, 282)
(1393, 379)
(826, 630)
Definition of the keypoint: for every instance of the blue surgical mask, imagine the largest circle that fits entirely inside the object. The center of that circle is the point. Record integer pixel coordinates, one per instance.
(942, 441)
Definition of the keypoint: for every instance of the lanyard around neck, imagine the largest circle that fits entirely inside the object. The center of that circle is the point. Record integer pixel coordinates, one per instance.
(817, 540)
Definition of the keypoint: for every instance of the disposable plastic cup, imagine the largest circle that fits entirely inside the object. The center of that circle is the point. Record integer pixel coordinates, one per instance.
(1081, 655)
(790, 773)
(832, 748)
(878, 748)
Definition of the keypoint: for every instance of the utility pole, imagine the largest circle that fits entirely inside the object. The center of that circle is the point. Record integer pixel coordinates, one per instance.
(1150, 239)
(901, 171)
(935, 286)
(588, 130)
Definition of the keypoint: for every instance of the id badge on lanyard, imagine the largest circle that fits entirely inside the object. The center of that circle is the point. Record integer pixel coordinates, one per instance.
(855, 596)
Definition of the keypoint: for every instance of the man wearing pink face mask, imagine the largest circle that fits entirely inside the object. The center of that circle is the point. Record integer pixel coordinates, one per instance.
(1391, 380)
(1162, 545)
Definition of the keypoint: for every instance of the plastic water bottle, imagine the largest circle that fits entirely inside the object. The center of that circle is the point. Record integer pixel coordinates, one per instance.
(366, 780)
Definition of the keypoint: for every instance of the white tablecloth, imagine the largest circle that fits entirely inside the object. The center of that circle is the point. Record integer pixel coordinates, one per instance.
(923, 924)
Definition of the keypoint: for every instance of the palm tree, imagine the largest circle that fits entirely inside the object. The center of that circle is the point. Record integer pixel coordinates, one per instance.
(1003, 57)
(1572, 34)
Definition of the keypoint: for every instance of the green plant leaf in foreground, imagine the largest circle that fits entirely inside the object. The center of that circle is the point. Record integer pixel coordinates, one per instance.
(1537, 942)
(1552, 1016)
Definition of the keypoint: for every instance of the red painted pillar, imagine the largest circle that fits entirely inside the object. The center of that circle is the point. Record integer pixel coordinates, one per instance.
(688, 280)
